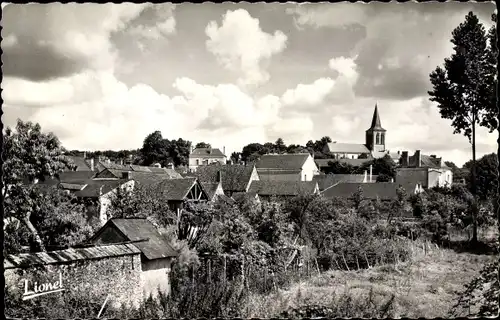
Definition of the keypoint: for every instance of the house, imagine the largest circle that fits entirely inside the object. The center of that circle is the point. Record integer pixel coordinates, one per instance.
(282, 189)
(156, 255)
(327, 180)
(323, 164)
(176, 191)
(204, 156)
(428, 171)
(81, 164)
(232, 177)
(286, 167)
(112, 170)
(385, 191)
(374, 145)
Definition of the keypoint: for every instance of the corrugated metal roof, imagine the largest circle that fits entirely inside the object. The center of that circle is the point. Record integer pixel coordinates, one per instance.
(24, 260)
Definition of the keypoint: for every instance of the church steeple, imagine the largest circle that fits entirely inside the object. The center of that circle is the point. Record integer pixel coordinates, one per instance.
(375, 136)
(376, 120)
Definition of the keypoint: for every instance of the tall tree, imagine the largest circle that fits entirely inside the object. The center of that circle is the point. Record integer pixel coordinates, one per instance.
(486, 176)
(280, 146)
(29, 155)
(203, 145)
(155, 149)
(463, 89)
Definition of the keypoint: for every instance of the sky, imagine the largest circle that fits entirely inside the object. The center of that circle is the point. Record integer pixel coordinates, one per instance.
(104, 76)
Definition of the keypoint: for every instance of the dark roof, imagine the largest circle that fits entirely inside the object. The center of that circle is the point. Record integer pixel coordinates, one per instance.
(136, 229)
(282, 161)
(80, 163)
(235, 178)
(207, 152)
(117, 169)
(383, 190)
(281, 188)
(97, 187)
(355, 148)
(175, 189)
(327, 180)
(210, 188)
(376, 121)
(68, 255)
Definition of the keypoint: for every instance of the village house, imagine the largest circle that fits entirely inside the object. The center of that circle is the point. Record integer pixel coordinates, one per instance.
(323, 164)
(205, 156)
(374, 146)
(112, 170)
(156, 256)
(177, 191)
(282, 189)
(428, 171)
(232, 178)
(286, 167)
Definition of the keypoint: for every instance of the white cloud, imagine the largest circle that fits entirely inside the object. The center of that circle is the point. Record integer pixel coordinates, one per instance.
(240, 45)
(306, 95)
(159, 24)
(346, 67)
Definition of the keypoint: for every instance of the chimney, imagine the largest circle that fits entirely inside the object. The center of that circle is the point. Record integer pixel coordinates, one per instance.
(371, 172)
(92, 164)
(392, 180)
(224, 150)
(121, 161)
(84, 154)
(418, 158)
(405, 159)
(365, 179)
(126, 175)
(219, 176)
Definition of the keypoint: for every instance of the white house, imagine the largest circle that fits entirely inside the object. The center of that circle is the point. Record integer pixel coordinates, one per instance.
(287, 167)
(428, 171)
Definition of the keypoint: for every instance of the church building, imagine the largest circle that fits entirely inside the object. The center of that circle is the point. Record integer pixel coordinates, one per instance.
(374, 146)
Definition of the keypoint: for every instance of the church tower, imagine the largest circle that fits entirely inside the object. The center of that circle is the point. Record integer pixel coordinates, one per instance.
(375, 136)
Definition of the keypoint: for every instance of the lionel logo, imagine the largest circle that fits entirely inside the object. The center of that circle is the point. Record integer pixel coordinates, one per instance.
(42, 289)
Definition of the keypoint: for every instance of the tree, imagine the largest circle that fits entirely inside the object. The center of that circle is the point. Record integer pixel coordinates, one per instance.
(236, 157)
(384, 166)
(250, 149)
(155, 149)
(336, 167)
(29, 155)
(203, 145)
(486, 176)
(280, 146)
(464, 90)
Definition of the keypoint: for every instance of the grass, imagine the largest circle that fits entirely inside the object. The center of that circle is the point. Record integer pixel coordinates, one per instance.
(425, 286)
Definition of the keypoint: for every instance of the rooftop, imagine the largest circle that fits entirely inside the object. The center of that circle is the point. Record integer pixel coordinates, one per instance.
(282, 188)
(207, 152)
(282, 161)
(235, 178)
(352, 148)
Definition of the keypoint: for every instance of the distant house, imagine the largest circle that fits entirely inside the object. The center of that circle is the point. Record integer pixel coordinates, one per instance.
(81, 164)
(323, 164)
(385, 191)
(204, 156)
(176, 191)
(112, 170)
(282, 189)
(232, 178)
(327, 180)
(156, 253)
(428, 171)
(286, 167)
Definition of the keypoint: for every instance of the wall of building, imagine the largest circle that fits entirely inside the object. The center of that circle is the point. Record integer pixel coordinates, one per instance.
(194, 162)
(118, 277)
(155, 276)
(346, 155)
(106, 199)
(416, 175)
(309, 169)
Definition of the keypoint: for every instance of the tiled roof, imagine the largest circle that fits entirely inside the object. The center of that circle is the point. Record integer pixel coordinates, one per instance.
(327, 180)
(282, 188)
(24, 260)
(72, 186)
(95, 188)
(235, 178)
(207, 152)
(136, 229)
(347, 148)
(384, 190)
(75, 176)
(80, 163)
(118, 168)
(278, 171)
(282, 161)
(175, 189)
(210, 188)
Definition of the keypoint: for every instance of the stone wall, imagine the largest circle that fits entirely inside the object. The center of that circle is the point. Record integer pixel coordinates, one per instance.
(119, 277)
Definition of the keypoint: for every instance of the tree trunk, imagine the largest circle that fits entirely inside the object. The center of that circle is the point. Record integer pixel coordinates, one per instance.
(34, 232)
(473, 181)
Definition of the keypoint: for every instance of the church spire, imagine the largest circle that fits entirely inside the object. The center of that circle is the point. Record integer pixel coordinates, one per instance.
(376, 120)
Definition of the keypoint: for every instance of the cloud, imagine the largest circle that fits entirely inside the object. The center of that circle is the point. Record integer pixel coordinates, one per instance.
(307, 95)
(57, 40)
(240, 45)
(389, 59)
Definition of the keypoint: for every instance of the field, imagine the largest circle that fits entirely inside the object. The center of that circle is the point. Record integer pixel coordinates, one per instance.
(425, 287)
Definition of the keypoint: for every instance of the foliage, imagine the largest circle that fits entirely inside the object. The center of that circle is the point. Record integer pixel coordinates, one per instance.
(156, 149)
(337, 167)
(383, 178)
(486, 176)
(384, 166)
(29, 155)
(203, 145)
